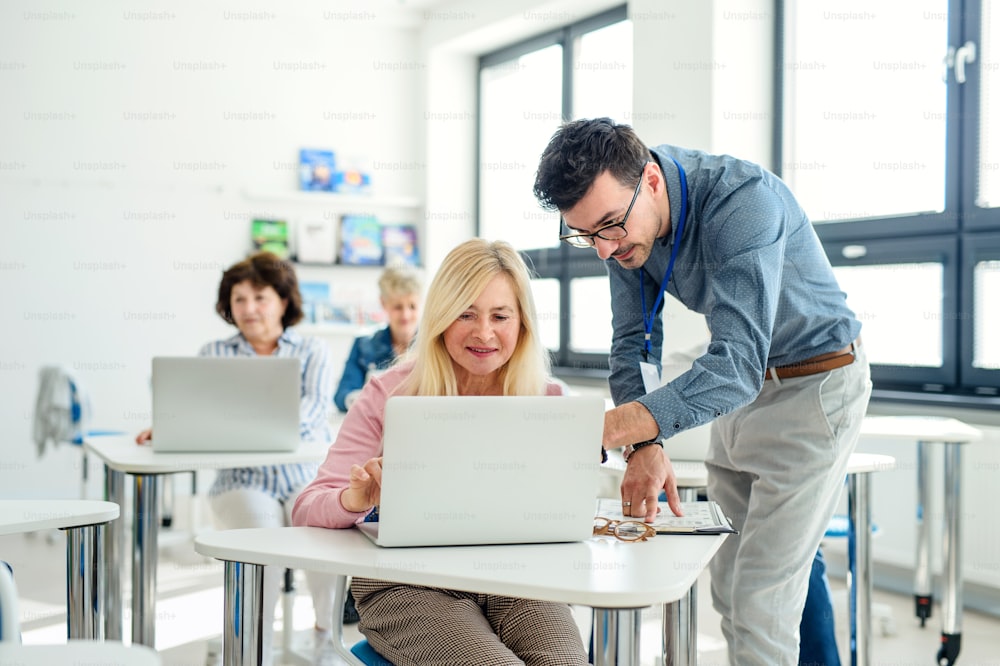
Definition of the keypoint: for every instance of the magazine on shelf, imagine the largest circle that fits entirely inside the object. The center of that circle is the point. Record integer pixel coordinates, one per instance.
(360, 240)
(317, 169)
(316, 241)
(399, 243)
(270, 236)
(703, 517)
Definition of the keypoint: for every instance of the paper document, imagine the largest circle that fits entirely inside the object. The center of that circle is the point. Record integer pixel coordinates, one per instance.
(704, 517)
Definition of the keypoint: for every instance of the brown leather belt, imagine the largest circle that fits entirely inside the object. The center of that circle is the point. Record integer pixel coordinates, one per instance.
(816, 364)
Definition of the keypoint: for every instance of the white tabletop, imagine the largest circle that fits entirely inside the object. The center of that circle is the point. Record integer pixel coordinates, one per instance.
(921, 428)
(18, 516)
(599, 572)
(860, 463)
(122, 454)
(690, 473)
(78, 652)
(694, 474)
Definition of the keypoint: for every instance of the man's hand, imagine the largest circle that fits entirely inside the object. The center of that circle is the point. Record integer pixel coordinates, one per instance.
(648, 472)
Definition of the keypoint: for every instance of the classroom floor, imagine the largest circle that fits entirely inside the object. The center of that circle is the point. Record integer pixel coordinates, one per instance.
(189, 612)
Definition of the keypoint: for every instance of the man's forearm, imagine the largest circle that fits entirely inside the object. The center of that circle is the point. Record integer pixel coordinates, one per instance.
(628, 424)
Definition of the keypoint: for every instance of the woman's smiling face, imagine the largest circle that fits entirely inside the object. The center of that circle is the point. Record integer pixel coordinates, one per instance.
(483, 338)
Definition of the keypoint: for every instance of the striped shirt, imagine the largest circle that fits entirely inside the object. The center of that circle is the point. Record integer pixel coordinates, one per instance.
(282, 481)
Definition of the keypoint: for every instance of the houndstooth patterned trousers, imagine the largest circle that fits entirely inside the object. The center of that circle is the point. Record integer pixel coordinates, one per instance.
(422, 626)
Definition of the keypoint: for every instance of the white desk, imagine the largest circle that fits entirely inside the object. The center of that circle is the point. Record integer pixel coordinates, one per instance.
(680, 618)
(78, 652)
(86, 579)
(860, 467)
(952, 433)
(121, 456)
(605, 574)
(693, 475)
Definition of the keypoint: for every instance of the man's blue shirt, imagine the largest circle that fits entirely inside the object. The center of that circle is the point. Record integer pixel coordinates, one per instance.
(750, 261)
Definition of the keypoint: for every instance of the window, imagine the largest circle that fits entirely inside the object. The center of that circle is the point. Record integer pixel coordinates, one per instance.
(865, 134)
(980, 316)
(889, 147)
(525, 91)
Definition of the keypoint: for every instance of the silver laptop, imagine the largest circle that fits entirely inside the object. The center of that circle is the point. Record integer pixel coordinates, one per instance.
(225, 404)
(488, 470)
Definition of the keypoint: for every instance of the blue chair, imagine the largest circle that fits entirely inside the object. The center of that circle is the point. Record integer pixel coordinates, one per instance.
(368, 656)
(62, 414)
(10, 617)
(361, 653)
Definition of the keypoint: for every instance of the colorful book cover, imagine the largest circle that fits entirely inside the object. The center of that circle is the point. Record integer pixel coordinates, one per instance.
(270, 236)
(360, 240)
(317, 169)
(399, 245)
(316, 241)
(315, 298)
(352, 181)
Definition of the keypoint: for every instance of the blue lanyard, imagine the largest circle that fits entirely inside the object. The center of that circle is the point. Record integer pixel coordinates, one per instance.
(648, 317)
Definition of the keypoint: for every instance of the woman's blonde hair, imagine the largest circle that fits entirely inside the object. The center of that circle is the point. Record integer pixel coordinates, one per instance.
(462, 277)
(398, 282)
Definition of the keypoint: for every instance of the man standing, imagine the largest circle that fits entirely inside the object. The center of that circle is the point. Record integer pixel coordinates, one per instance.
(784, 380)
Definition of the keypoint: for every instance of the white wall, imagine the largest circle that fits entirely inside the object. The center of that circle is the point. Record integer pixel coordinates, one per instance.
(128, 139)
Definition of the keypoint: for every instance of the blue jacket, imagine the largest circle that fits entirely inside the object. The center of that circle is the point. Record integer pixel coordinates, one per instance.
(368, 353)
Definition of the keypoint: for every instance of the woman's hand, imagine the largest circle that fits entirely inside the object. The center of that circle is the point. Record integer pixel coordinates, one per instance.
(144, 437)
(365, 487)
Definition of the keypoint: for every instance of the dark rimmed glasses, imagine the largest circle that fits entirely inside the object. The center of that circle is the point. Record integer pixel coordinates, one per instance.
(611, 232)
(625, 530)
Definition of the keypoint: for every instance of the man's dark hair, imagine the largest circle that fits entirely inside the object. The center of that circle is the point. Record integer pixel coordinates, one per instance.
(579, 152)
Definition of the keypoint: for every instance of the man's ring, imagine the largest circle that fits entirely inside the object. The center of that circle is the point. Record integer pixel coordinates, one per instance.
(626, 503)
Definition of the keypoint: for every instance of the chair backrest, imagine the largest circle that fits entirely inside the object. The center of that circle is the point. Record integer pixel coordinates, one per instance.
(62, 408)
(359, 654)
(10, 623)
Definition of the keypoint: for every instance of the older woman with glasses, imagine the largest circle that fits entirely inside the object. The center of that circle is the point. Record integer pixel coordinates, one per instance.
(478, 336)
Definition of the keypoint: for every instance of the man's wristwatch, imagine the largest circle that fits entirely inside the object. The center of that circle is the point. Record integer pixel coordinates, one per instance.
(632, 448)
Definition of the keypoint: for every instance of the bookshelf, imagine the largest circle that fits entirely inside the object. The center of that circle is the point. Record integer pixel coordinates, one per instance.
(354, 203)
(297, 205)
(350, 331)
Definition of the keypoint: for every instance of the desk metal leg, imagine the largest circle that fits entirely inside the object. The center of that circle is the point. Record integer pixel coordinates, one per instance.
(243, 629)
(680, 645)
(951, 596)
(859, 579)
(610, 626)
(680, 619)
(86, 589)
(145, 552)
(114, 549)
(922, 595)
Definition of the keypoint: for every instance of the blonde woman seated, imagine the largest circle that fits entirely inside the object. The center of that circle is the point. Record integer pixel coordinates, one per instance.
(478, 336)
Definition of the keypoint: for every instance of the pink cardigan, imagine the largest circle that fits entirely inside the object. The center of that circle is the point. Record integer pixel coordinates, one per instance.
(359, 439)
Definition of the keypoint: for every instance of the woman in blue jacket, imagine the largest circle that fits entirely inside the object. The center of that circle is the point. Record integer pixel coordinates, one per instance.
(400, 293)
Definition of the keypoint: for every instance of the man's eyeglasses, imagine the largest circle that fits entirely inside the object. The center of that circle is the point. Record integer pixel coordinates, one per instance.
(611, 232)
(626, 530)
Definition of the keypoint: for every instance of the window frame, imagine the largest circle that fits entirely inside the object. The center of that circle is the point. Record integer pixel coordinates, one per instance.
(975, 248)
(975, 218)
(560, 261)
(951, 236)
(940, 249)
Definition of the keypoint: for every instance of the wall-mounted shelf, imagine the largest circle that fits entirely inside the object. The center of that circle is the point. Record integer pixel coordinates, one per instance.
(340, 330)
(332, 199)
